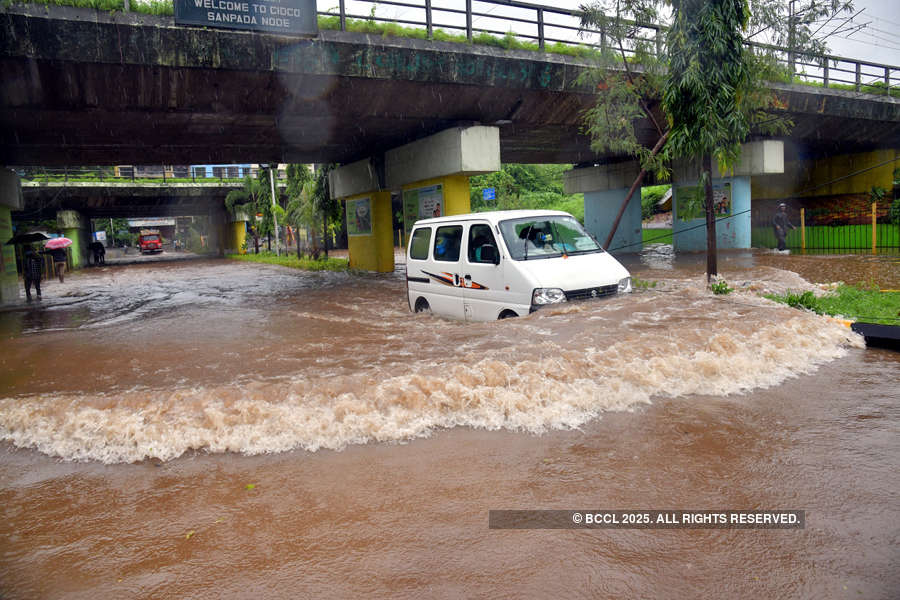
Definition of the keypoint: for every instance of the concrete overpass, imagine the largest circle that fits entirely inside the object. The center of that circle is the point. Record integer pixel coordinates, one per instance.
(79, 86)
(95, 200)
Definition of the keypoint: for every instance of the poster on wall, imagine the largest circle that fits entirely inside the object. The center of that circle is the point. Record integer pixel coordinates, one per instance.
(689, 201)
(359, 216)
(422, 203)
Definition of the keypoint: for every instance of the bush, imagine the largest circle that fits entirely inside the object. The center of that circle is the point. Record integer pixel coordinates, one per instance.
(650, 197)
(720, 288)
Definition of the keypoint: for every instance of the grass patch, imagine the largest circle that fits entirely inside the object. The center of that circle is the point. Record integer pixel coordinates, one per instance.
(864, 304)
(657, 236)
(112, 179)
(291, 261)
(162, 8)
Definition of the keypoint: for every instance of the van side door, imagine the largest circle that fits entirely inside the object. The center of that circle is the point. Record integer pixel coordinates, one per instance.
(445, 293)
(484, 292)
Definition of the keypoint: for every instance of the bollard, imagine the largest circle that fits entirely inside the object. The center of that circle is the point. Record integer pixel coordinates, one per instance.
(874, 227)
(803, 230)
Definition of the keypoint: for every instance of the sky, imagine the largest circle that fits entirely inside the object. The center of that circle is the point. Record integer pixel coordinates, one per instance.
(879, 40)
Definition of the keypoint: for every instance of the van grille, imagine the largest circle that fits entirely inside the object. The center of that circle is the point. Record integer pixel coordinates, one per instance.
(594, 292)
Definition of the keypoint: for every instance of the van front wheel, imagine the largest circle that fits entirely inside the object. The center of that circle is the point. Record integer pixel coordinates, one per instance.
(422, 306)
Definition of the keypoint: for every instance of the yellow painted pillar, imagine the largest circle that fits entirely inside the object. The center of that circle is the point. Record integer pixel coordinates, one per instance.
(369, 233)
(236, 236)
(457, 198)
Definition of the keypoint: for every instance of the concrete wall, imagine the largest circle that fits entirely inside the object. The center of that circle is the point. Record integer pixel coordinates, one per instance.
(600, 210)
(832, 176)
(9, 279)
(10, 199)
(731, 232)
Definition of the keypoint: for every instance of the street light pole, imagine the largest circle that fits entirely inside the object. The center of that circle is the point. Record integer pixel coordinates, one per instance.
(274, 216)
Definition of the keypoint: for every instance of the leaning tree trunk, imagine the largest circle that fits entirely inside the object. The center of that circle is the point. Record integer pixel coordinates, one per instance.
(256, 243)
(711, 259)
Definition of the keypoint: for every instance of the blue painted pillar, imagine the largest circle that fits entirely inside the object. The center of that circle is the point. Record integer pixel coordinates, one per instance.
(600, 210)
(731, 197)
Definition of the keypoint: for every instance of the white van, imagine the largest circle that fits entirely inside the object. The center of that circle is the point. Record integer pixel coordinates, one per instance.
(494, 265)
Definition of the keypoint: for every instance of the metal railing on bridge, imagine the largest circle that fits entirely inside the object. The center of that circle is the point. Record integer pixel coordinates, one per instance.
(225, 174)
(550, 28)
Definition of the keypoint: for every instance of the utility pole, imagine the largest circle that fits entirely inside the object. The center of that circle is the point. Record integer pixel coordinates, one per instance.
(274, 216)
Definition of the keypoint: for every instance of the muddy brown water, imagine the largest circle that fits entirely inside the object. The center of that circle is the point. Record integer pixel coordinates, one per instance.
(210, 429)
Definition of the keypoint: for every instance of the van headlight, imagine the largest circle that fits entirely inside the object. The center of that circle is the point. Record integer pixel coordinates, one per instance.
(625, 285)
(542, 296)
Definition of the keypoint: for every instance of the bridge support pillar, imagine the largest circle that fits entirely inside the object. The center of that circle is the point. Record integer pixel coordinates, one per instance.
(433, 176)
(369, 235)
(218, 230)
(236, 233)
(75, 227)
(731, 198)
(10, 199)
(604, 188)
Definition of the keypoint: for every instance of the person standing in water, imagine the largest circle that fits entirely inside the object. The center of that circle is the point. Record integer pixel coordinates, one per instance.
(781, 224)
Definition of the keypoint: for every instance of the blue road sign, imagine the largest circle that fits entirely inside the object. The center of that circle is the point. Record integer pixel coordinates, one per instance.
(489, 193)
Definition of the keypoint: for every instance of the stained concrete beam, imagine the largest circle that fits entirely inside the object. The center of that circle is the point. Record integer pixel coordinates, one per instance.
(601, 178)
(10, 190)
(765, 157)
(458, 151)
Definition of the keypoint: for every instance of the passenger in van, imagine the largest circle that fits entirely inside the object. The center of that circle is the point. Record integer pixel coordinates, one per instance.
(440, 248)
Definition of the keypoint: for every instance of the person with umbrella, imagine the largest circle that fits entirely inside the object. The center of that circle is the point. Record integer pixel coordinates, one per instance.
(56, 248)
(33, 268)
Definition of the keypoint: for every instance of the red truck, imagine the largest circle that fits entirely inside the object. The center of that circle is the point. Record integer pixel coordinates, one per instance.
(150, 241)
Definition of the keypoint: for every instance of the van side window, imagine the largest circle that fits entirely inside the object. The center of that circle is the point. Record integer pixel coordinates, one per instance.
(418, 249)
(480, 235)
(446, 243)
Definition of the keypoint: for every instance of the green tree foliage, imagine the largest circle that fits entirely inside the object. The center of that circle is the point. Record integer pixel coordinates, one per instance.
(795, 25)
(706, 72)
(650, 197)
(253, 199)
(329, 208)
(301, 211)
(520, 186)
(702, 91)
(112, 227)
(629, 79)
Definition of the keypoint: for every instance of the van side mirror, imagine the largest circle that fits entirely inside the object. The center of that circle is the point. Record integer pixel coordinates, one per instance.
(489, 254)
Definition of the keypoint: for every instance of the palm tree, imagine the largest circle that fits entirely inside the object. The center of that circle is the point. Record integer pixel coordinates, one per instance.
(251, 199)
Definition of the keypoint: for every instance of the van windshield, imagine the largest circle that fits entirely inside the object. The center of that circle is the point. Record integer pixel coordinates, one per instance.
(546, 237)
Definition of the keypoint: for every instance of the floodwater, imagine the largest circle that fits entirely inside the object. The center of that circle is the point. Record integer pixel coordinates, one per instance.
(211, 429)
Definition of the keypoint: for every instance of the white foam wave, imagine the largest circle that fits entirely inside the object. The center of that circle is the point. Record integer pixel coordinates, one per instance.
(556, 387)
